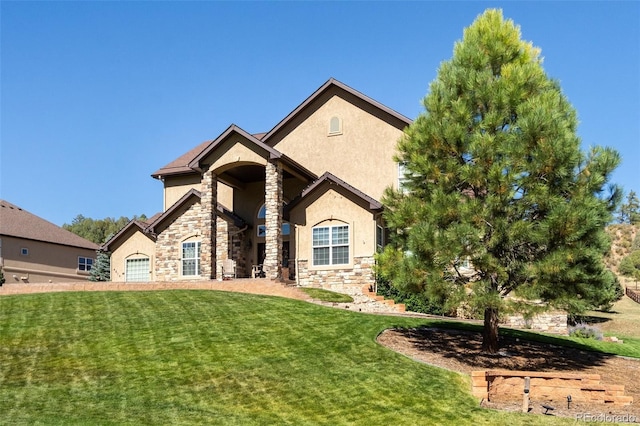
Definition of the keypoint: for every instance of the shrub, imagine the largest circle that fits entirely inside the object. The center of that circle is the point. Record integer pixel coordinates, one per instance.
(630, 265)
(585, 331)
(414, 302)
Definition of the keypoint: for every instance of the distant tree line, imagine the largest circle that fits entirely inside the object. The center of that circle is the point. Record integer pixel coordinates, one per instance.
(98, 230)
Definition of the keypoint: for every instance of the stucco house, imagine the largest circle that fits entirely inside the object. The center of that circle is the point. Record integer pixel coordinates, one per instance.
(300, 202)
(33, 250)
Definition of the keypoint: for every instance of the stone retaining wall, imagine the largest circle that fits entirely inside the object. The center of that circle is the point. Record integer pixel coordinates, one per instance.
(549, 322)
(504, 385)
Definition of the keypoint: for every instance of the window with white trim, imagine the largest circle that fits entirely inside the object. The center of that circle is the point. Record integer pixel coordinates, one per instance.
(24, 251)
(335, 126)
(402, 177)
(379, 237)
(85, 263)
(191, 258)
(330, 245)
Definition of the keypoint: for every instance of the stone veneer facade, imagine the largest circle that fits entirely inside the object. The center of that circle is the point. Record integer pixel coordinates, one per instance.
(167, 259)
(348, 280)
(273, 219)
(209, 201)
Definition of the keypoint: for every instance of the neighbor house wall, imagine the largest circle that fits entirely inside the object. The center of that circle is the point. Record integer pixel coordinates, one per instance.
(46, 262)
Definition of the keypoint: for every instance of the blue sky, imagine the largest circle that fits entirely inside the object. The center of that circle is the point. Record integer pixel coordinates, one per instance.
(96, 96)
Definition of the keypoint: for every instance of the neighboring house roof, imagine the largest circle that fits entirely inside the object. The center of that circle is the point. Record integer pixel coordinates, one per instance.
(331, 179)
(19, 223)
(374, 107)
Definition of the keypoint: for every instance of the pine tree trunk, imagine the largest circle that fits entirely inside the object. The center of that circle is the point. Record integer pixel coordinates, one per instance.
(490, 331)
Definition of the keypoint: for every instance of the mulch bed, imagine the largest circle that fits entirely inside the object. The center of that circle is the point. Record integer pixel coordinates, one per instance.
(461, 351)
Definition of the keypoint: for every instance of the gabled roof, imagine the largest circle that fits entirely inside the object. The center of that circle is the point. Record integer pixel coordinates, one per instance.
(19, 223)
(375, 107)
(132, 225)
(188, 162)
(194, 164)
(188, 197)
(181, 164)
(328, 178)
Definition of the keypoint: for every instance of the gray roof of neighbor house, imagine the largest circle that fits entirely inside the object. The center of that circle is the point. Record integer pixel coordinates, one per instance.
(19, 223)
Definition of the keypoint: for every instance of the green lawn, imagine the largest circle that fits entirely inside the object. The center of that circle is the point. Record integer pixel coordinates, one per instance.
(326, 295)
(205, 357)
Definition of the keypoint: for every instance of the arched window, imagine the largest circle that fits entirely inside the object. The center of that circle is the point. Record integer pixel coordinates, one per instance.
(335, 126)
(262, 229)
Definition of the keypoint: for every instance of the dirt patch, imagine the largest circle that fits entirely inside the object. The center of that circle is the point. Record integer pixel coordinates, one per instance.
(461, 351)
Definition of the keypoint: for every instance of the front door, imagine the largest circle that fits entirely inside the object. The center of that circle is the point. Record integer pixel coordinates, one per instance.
(285, 253)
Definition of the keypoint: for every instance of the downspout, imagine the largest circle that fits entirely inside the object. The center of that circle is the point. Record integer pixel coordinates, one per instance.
(295, 231)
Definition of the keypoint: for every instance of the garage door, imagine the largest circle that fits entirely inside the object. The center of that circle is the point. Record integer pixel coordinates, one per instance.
(137, 270)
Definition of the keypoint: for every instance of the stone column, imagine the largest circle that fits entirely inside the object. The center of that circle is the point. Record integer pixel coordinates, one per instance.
(208, 203)
(273, 219)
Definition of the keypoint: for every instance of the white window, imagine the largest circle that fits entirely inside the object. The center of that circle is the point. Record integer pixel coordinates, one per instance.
(85, 263)
(331, 245)
(191, 258)
(379, 237)
(137, 270)
(402, 177)
(335, 126)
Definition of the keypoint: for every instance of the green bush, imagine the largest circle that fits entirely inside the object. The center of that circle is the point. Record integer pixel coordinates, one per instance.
(414, 302)
(630, 265)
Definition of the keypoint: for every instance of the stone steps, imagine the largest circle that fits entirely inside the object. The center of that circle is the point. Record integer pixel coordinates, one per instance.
(368, 291)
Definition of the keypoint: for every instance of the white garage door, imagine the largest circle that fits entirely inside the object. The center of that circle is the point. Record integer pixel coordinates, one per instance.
(137, 270)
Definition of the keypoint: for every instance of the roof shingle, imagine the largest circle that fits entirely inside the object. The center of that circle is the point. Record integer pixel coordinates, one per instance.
(19, 223)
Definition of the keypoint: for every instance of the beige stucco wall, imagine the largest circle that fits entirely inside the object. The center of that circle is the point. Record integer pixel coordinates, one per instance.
(329, 209)
(233, 152)
(176, 186)
(46, 262)
(362, 155)
(134, 246)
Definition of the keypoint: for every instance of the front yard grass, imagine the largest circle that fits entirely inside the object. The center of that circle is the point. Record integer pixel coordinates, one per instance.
(326, 295)
(206, 357)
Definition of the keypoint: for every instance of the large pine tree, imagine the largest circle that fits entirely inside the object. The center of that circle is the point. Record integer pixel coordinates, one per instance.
(495, 176)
